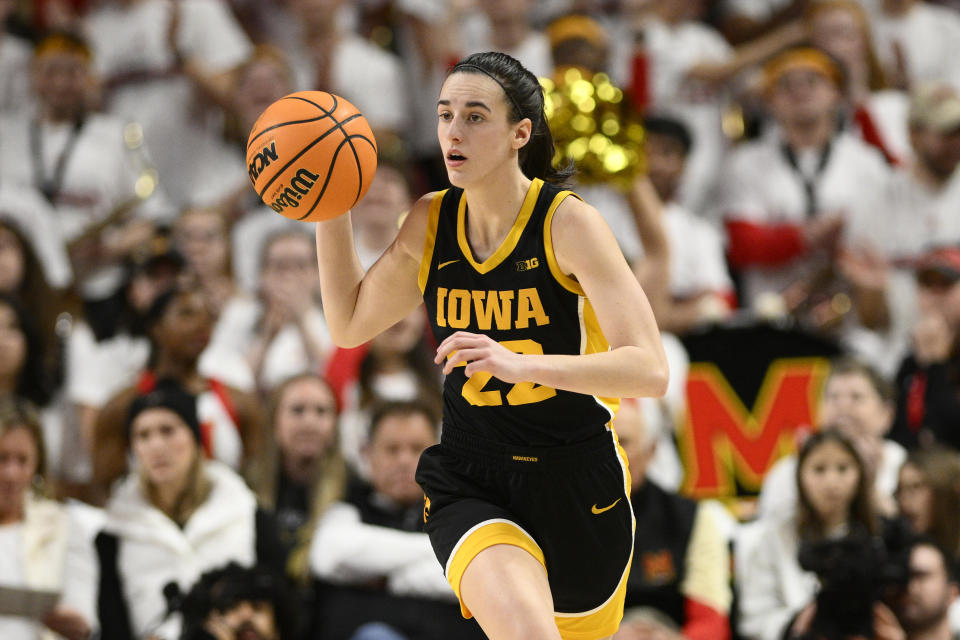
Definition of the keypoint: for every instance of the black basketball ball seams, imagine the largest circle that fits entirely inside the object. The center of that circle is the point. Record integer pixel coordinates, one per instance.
(293, 160)
(326, 133)
(280, 125)
(333, 161)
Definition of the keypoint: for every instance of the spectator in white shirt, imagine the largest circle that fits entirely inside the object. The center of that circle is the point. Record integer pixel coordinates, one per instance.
(918, 41)
(34, 531)
(700, 289)
(370, 550)
(794, 199)
(859, 402)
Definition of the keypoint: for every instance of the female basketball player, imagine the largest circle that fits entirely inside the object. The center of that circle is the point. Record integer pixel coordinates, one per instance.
(541, 325)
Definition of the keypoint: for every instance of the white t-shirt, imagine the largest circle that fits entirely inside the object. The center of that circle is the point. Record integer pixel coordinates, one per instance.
(99, 172)
(754, 9)
(917, 218)
(533, 52)
(778, 497)
(929, 37)
(12, 575)
(132, 40)
(697, 263)
(99, 175)
(14, 74)
(889, 111)
(367, 76)
(759, 185)
(673, 51)
(286, 355)
(247, 242)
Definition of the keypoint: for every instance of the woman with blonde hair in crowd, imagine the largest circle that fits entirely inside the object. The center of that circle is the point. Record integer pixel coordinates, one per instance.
(175, 517)
(34, 531)
(302, 471)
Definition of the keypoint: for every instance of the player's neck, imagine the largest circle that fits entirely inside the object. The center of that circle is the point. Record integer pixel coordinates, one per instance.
(492, 209)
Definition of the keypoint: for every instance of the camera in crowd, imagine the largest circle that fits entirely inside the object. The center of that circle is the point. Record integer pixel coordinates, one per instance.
(855, 571)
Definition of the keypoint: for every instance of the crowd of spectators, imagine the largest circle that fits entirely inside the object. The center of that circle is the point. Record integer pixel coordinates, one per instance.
(185, 453)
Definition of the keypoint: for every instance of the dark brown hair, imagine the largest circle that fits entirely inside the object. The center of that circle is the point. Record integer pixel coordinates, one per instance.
(861, 512)
(940, 468)
(525, 96)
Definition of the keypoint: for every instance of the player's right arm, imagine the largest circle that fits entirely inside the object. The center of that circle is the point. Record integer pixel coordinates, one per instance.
(359, 305)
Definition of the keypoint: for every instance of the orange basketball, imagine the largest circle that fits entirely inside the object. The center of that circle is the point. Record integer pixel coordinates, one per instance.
(311, 156)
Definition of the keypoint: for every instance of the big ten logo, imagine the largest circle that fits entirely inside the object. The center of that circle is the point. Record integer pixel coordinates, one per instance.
(724, 445)
(527, 265)
(300, 185)
(262, 160)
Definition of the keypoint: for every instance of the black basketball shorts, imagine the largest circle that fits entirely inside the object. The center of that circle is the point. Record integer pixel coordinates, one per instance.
(568, 506)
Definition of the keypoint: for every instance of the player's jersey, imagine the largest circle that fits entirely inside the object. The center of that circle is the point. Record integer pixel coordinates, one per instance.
(519, 297)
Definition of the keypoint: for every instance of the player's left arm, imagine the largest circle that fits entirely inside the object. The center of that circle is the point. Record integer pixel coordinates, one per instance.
(635, 365)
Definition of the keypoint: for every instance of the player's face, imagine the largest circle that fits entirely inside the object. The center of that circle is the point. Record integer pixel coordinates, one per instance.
(829, 479)
(306, 419)
(163, 446)
(476, 136)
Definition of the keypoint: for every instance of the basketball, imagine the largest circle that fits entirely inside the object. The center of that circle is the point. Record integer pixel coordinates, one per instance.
(311, 156)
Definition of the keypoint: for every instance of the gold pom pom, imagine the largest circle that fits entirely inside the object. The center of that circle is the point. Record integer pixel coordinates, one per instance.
(593, 126)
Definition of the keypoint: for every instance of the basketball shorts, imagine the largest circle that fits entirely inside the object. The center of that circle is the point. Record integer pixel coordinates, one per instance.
(568, 506)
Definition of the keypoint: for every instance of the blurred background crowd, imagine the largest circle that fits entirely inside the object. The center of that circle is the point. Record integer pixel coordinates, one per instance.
(185, 453)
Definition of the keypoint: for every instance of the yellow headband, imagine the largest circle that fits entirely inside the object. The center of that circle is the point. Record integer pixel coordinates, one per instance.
(571, 27)
(803, 58)
(59, 43)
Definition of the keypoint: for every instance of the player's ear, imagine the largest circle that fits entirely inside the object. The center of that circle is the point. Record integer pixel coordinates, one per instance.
(522, 132)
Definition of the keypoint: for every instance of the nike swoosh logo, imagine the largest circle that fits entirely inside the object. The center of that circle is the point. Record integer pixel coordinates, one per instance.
(443, 264)
(595, 510)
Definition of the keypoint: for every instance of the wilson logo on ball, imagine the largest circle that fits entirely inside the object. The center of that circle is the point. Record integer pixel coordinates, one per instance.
(311, 156)
(262, 160)
(291, 196)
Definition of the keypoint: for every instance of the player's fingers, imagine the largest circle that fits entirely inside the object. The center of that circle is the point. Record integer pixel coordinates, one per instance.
(463, 357)
(454, 343)
(481, 364)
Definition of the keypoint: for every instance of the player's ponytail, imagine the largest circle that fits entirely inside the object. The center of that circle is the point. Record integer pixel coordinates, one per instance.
(525, 95)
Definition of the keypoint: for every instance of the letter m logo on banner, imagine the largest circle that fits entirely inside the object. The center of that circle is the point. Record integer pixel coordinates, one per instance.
(724, 445)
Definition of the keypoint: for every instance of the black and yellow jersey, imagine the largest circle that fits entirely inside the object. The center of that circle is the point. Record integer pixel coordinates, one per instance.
(520, 298)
